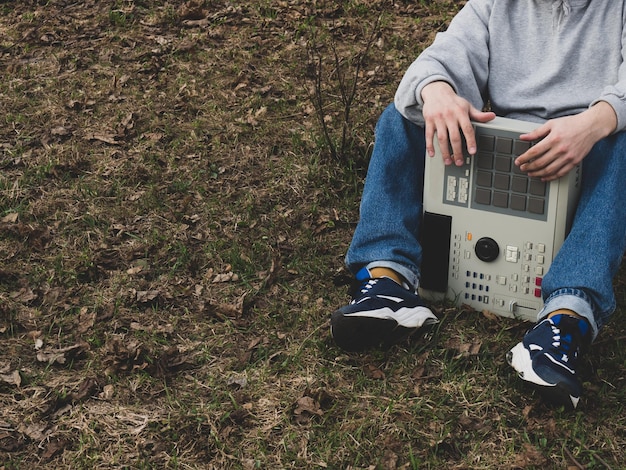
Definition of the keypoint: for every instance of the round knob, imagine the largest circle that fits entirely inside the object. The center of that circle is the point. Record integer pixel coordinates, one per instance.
(487, 249)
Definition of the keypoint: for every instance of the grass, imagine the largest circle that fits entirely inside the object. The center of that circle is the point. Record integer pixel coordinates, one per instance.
(165, 289)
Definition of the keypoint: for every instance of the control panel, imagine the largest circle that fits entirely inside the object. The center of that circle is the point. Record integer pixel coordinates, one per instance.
(490, 232)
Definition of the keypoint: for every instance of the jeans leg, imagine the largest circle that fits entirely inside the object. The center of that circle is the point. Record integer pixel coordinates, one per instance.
(391, 206)
(584, 268)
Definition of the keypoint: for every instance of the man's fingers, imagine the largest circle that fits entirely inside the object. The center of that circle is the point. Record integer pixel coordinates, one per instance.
(430, 136)
(456, 141)
(538, 150)
(470, 137)
(451, 142)
(444, 146)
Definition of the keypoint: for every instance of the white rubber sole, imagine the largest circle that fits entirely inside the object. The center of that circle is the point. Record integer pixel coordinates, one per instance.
(519, 358)
(413, 317)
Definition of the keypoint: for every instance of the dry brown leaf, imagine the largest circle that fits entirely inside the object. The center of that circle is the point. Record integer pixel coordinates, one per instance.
(144, 296)
(373, 372)
(14, 378)
(52, 295)
(474, 348)
(155, 136)
(35, 431)
(490, 315)
(530, 457)
(54, 447)
(225, 277)
(73, 104)
(419, 372)
(240, 381)
(226, 310)
(10, 218)
(173, 360)
(86, 320)
(134, 270)
(87, 388)
(464, 349)
(128, 122)
(107, 392)
(24, 295)
(390, 460)
(106, 138)
(254, 343)
(62, 355)
(307, 405)
(192, 11)
(125, 356)
(60, 131)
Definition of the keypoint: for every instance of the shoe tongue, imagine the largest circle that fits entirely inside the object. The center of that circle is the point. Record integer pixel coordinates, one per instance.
(363, 274)
(569, 322)
(584, 327)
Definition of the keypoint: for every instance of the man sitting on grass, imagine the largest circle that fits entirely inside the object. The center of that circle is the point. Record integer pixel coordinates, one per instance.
(559, 63)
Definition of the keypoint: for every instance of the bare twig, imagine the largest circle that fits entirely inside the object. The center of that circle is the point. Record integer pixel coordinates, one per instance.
(595, 455)
(347, 88)
(573, 460)
(318, 96)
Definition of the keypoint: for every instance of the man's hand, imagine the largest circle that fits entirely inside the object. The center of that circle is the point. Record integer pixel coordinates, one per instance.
(565, 141)
(449, 116)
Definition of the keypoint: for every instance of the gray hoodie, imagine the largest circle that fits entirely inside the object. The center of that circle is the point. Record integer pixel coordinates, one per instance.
(532, 59)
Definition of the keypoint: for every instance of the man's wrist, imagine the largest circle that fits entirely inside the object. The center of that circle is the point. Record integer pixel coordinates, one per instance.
(604, 118)
(436, 87)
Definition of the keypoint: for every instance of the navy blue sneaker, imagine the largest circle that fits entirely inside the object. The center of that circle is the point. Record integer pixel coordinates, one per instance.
(548, 355)
(382, 313)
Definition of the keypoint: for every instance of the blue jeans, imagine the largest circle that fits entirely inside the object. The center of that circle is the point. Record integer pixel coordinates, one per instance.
(580, 277)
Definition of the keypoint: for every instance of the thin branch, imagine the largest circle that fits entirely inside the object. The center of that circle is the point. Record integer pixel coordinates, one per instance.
(595, 455)
(347, 88)
(573, 460)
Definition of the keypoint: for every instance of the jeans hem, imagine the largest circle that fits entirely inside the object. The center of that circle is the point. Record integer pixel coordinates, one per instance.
(410, 277)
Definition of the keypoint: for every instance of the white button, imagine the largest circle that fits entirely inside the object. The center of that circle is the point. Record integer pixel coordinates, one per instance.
(512, 254)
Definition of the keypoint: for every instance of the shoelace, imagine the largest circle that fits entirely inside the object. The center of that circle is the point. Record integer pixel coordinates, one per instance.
(361, 287)
(367, 285)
